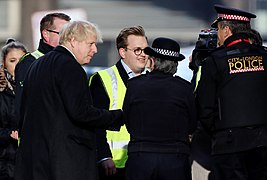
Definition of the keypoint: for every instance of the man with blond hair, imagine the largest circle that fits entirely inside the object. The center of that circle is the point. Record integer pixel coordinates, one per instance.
(57, 137)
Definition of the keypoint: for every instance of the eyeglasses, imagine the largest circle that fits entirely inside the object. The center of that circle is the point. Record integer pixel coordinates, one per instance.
(137, 51)
(49, 30)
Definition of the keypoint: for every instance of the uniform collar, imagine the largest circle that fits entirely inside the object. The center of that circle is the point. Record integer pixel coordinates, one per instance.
(236, 39)
(44, 47)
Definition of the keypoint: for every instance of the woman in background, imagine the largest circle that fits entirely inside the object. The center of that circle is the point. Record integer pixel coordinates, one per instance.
(10, 55)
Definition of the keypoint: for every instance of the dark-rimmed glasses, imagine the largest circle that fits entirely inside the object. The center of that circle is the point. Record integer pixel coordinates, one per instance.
(49, 30)
(137, 51)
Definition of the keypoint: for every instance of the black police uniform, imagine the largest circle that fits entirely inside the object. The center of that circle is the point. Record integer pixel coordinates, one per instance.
(232, 104)
(160, 114)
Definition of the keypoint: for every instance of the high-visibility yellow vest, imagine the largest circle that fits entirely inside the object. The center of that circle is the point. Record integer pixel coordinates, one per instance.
(115, 88)
(36, 54)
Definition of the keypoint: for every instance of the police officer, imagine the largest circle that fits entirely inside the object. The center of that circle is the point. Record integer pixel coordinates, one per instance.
(160, 115)
(50, 26)
(232, 101)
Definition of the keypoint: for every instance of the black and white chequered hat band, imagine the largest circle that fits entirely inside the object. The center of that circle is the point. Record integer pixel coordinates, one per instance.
(166, 52)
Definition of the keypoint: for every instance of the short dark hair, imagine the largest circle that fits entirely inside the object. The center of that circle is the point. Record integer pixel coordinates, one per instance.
(121, 40)
(47, 21)
(165, 66)
(12, 44)
(236, 26)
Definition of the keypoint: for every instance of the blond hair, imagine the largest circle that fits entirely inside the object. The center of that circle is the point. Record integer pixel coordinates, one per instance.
(79, 30)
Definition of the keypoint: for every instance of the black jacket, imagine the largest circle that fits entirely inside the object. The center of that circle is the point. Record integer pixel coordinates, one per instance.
(159, 113)
(21, 71)
(101, 100)
(8, 146)
(58, 138)
(231, 95)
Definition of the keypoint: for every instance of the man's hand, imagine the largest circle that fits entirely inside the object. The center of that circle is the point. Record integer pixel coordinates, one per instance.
(14, 135)
(109, 167)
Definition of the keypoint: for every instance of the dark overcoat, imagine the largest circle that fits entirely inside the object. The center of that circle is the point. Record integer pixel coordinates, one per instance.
(57, 137)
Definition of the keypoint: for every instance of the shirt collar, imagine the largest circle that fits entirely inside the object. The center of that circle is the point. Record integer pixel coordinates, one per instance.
(130, 73)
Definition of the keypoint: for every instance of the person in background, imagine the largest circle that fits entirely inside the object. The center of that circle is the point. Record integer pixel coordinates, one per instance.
(255, 37)
(231, 99)
(57, 137)
(108, 88)
(10, 55)
(160, 115)
(50, 26)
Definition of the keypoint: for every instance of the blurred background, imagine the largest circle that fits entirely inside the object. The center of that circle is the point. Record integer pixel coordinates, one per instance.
(178, 19)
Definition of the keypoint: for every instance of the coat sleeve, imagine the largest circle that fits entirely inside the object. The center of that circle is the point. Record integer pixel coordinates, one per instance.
(76, 96)
(206, 95)
(100, 100)
(5, 132)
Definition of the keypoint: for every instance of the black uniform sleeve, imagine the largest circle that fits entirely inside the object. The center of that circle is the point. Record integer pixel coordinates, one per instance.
(20, 74)
(206, 97)
(192, 111)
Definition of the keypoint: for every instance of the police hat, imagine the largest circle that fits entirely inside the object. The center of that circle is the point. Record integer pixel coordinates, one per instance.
(165, 48)
(231, 14)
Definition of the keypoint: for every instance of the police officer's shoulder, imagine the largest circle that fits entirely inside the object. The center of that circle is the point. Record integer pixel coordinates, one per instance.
(261, 47)
(219, 52)
(27, 57)
(182, 80)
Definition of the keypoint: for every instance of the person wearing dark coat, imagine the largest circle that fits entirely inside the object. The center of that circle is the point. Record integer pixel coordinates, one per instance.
(57, 137)
(231, 99)
(160, 116)
(11, 53)
(50, 25)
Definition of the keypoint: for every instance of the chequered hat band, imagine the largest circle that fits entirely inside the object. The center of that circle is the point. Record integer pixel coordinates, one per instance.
(233, 17)
(167, 52)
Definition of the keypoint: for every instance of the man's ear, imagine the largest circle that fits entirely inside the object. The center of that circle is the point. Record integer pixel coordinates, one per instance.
(72, 42)
(122, 52)
(45, 35)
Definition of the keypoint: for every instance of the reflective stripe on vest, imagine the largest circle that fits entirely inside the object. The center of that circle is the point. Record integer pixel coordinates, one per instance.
(36, 54)
(198, 77)
(115, 88)
(24, 56)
